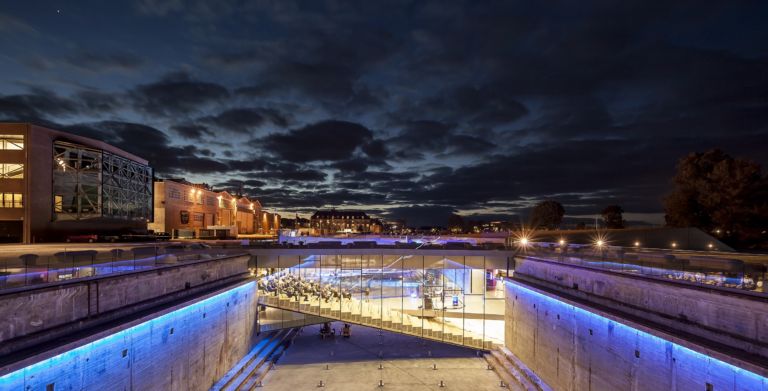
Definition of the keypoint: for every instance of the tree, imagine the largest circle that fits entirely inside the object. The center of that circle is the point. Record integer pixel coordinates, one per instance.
(455, 223)
(715, 191)
(547, 214)
(613, 216)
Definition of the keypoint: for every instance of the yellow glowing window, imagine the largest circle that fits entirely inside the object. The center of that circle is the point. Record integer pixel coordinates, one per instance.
(58, 204)
(11, 200)
(11, 171)
(11, 141)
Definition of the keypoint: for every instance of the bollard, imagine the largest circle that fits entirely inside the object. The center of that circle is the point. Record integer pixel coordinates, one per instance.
(381, 366)
(259, 384)
(490, 368)
(381, 383)
(502, 385)
(442, 384)
(326, 367)
(321, 384)
(434, 367)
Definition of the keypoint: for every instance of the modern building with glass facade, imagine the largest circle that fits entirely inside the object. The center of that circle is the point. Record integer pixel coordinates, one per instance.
(55, 184)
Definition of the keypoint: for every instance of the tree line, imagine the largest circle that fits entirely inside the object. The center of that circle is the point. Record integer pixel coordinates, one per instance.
(713, 191)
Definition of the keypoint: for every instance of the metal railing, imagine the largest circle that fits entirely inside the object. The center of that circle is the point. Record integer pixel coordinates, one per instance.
(717, 271)
(32, 269)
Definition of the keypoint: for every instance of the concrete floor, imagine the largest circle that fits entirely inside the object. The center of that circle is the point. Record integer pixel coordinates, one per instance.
(353, 364)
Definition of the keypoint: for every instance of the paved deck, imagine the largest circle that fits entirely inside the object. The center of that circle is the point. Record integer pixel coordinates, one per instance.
(353, 364)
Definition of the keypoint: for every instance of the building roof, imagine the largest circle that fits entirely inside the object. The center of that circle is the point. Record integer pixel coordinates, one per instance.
(59, 135)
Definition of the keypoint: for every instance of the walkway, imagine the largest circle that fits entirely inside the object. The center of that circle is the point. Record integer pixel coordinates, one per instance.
(373, 314)
(353, 364)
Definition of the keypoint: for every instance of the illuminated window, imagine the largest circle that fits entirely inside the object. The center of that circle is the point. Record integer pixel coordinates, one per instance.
(11, 141)
(11, 200)
(58, 204)
(11, 171)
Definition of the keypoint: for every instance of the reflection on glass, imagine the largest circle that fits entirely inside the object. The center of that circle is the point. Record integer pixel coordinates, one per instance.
(453, 299)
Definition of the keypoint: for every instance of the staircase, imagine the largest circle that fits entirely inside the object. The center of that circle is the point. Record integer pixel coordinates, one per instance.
(251, 369)
(513, 372)
(364, 313)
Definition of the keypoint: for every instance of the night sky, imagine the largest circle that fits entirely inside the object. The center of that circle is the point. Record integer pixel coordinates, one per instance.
(400, 108)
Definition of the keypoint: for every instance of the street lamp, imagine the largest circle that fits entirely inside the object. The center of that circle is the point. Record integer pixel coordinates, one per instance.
(637, 244)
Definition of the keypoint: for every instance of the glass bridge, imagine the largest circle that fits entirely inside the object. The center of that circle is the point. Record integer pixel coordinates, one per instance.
(457, 299)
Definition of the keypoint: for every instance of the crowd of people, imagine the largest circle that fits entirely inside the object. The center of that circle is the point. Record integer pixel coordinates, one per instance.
(303, 290)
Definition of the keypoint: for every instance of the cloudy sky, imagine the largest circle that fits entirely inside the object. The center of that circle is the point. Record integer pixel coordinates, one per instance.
(402, 108)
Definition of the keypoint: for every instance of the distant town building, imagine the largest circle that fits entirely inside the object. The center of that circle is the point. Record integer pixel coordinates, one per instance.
(55, 184)
(297, 226)
(329, 222)
(187, 210)
(397, 226)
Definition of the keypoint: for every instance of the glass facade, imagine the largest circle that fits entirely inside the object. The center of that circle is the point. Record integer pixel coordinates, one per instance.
(453, 299)
(127, 188)
(89, 183)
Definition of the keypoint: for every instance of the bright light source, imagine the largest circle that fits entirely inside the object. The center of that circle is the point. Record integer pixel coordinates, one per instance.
(524, 241)
(674, 244)
(637, 244)
(562, 242)
(599, 243)
(710, 245)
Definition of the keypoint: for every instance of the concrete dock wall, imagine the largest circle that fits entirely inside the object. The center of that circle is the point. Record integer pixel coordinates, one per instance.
(187, 348)
(38, 314)
(738, 320)
(572, 348)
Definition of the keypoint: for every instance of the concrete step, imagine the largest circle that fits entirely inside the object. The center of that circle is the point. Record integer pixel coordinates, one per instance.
(505, 376)
(527, 377)
(505, 367)
(250, 363)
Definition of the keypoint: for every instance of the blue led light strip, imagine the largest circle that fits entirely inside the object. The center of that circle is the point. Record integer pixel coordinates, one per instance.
(17, 378)
(749, 379)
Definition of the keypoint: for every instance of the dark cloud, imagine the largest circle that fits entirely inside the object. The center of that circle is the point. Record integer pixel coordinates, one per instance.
(176, 93)
(293, 173)
(327, 140)
(438, 107)
(192, 131)
(97, 101)
(38, 103)
(436, 137)
(243, 120)
(152, 144)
